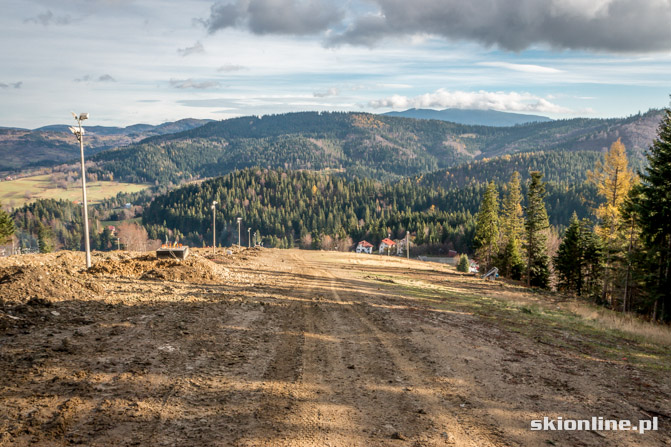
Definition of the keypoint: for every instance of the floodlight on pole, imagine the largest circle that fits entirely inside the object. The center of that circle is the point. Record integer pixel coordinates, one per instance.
(214, 227)
(79, 133)
(239, 220)
(249, 237)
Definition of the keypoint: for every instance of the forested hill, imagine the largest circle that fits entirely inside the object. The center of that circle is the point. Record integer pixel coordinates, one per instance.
(481, 117)
(289, 206)
(49, 145)
(365, 145)
(561, 167)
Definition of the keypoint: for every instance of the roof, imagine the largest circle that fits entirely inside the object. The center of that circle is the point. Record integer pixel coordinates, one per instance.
(388, 241)
(365, 244)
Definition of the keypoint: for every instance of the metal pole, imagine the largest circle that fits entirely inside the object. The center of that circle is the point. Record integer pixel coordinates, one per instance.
(407, 245)
(249, 238)
(214, 230)
(86, 211)
(239, 219)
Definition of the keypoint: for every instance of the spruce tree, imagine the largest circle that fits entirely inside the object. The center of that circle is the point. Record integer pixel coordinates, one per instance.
(6, 226)
(578, 262)
(512, 230)
(487, 230)
(652, 204)
(538, 271)
(45, 239)
(464, 265)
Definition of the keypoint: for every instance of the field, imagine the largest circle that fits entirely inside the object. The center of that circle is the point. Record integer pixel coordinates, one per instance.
(16, 193)
(306, 348)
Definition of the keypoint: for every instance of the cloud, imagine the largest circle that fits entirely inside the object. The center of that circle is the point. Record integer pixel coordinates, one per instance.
(16, 85)
(190, 83)
(326, 93)
(481, 100)
(195, 49)
(91, 78)
(48, 18)
(597, 25)
(601, 25)
(228, 68)
(290, 17)
(525, 68)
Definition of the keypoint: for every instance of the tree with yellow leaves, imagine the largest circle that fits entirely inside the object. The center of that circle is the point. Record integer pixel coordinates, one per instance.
(613, 180)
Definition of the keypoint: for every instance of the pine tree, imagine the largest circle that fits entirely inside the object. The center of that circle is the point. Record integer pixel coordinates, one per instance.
(6, 226)
(487, 230)
(569, 259)
(464, 264)
(512, 229)
(538, 271)
(613, 179)
(45, 239)
(652, 204)
(578, 260)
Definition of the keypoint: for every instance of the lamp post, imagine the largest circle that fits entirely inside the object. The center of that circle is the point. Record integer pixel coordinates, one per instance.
(407, 245)
(214, 227)
(239, 220)
(249, 237)
(79, 133)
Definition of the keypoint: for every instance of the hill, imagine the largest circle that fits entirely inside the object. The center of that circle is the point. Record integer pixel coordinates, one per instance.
(473, 117)
(365, 145)
(45, 146)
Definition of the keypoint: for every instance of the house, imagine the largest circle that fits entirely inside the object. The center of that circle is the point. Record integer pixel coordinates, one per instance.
(386, 243)
(452, 254)
(364, 247)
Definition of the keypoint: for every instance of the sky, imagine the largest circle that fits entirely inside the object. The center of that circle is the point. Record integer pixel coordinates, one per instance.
(130, 61)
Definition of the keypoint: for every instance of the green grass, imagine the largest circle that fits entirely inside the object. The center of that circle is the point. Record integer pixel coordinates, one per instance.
(16, 193)
(546, 324)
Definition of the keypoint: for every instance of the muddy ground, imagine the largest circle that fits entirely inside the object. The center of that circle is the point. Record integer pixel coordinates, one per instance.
(303, 348)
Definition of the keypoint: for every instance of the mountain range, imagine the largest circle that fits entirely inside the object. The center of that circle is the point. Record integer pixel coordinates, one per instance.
(49, 145)
(361, 144)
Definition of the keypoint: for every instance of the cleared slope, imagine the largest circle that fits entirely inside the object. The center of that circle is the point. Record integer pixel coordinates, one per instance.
(291, 348)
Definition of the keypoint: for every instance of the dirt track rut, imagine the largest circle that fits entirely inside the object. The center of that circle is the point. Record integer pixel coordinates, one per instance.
(292, 349)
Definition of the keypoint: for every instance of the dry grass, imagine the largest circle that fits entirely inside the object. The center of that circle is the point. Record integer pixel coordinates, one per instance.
(16, 193)
(630, 324)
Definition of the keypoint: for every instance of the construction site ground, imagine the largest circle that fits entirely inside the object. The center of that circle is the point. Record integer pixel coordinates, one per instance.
(265, 347)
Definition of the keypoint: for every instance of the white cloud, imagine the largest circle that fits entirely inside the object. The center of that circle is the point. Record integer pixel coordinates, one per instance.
(190, 83)
(197, 48)
(480, 100)
(228, 68)
(326, 93)
(525, 68)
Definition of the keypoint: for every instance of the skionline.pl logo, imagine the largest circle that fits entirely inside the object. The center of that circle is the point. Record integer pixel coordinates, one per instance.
(596, 423)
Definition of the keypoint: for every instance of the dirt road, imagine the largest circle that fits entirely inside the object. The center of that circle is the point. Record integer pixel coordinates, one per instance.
(299, 348)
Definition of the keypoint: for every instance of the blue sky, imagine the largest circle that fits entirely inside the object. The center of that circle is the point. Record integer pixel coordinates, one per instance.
(150, 61)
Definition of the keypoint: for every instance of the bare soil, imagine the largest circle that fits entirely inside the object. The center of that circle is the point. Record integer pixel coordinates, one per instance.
(299, 348)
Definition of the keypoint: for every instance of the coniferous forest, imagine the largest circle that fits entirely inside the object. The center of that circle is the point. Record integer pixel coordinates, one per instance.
(581, 221)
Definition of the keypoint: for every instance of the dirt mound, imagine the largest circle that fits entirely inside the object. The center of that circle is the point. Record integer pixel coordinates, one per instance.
(192, 269)
(20, 283)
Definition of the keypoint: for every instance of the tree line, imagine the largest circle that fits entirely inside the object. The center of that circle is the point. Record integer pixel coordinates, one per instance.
(619, 256)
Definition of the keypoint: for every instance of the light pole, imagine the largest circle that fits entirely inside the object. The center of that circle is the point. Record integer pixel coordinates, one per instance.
(249, 237)
(239, 220)
(79, 133)
(407, 244)
(214, 227)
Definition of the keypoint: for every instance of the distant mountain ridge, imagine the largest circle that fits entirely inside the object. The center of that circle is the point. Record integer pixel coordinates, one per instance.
(360, 144)
(472, 117)
(48, 145)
